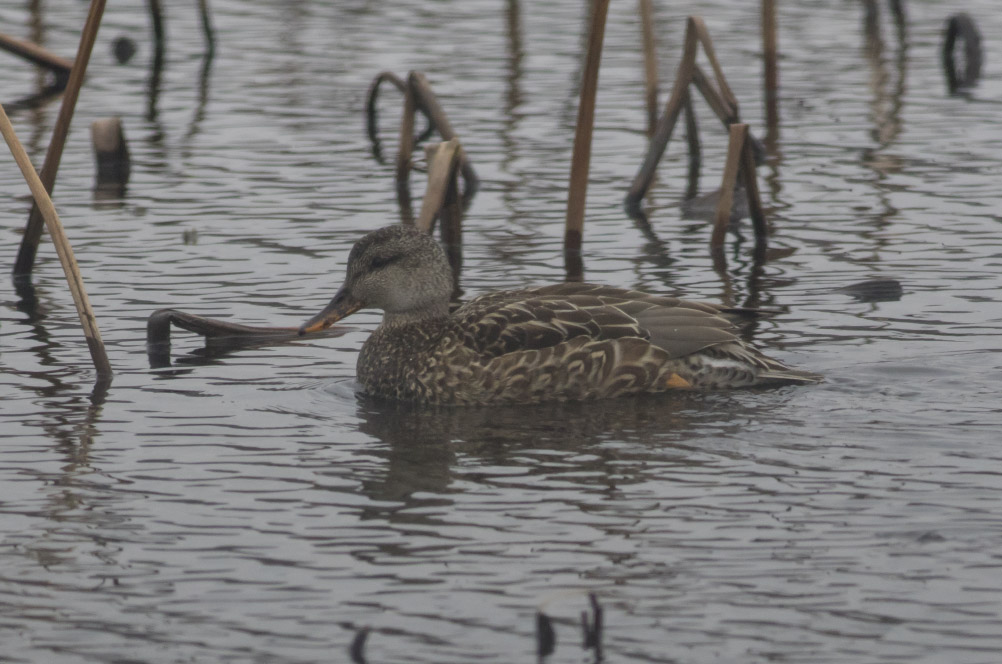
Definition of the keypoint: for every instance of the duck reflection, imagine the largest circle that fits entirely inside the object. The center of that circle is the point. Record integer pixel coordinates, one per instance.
(601, 445)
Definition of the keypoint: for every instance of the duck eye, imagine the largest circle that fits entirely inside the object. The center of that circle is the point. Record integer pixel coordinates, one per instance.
(378, 262)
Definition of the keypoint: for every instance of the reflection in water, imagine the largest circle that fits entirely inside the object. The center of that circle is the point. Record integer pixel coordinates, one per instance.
(887, 86)
(424, 444)
(198, 116)
(241, 511)
(514, 187)
(70, 421)
(157, 137)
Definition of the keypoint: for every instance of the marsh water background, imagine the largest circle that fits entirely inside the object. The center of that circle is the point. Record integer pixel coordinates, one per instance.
(252, 507)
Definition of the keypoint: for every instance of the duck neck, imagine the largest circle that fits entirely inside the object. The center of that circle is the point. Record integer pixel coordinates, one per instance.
(413, 316)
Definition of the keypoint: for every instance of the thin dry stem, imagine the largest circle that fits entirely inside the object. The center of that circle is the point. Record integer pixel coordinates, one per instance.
(735, 148)
(62, 244)
(33, 230)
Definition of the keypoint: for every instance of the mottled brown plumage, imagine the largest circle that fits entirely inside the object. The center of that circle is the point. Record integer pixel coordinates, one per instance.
(565, 341)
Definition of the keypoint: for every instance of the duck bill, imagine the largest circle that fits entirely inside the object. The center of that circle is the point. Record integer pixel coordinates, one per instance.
(342, 305)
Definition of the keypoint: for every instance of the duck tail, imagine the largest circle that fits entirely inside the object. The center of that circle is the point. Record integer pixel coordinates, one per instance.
(783, 375)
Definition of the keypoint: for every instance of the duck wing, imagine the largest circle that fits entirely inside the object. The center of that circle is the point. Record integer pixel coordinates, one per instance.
(534, 319)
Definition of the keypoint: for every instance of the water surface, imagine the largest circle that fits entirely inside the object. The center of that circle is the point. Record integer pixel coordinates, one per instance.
(251, 506)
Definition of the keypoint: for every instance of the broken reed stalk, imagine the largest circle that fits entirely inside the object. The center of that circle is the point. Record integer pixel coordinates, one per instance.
(442, 201)
(63, 248)
(735, 147)
(581, 158)
(771, 73)
(372, 112)
(740, 166)
(428, 103)
(650, 63)
(418, 96)
(111, 152)
(159, 323)
(697, 24)
(405, 146)
(721, 100)
(33, 52)
(442, 161)
(666, 123)
(727, 114)
(33, 230)
(452, 227)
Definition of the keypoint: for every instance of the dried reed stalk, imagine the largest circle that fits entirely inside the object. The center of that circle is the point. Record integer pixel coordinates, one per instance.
(405, 145)
(60, 66)
(666, 123)
(62, 244)
(720, 99)
(740, 166)
(650, 63)
(442, 162)
(771, 73)
(418, 95)
(428, 103)
(727, 114)
(581, 158)
(735, 148)
(33, 230)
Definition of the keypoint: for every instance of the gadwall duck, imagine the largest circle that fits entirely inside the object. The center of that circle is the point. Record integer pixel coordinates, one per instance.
(567, 341)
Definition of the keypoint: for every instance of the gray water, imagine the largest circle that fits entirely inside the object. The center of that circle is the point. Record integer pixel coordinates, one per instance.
(252, 507)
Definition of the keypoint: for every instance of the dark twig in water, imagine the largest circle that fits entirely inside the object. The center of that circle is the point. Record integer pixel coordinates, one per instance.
(210, 34)
(372, 112)
(961, 27)
(159, 32)
(546, 638)
(220, 336)
(592, 628)
(357, 649)
(159, 322)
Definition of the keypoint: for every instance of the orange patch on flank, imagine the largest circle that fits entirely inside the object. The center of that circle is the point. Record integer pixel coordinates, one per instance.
(677, 381)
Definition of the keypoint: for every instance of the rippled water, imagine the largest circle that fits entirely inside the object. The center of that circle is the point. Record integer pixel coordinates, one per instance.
(250, 506)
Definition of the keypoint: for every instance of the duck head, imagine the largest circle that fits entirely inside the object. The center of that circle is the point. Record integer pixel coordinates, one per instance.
(398, 269)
